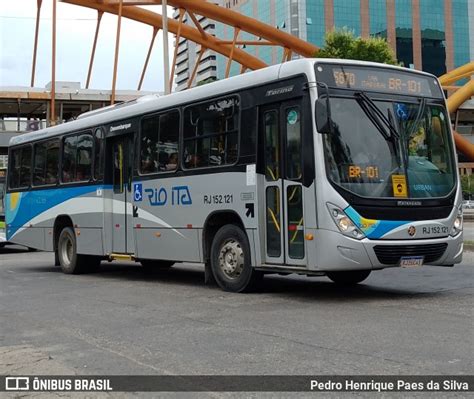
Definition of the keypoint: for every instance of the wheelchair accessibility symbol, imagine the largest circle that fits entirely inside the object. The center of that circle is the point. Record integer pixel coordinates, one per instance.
(137, 192)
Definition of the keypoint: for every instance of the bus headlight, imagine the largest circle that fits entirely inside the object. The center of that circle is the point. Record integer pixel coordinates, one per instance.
(344, 223)
(457, 225)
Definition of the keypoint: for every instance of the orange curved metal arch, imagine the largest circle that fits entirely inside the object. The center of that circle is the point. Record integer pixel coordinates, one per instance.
(455, 100)
(217, 13)
(247, 24)
(457, 74)
(193, 34)
(271, 35)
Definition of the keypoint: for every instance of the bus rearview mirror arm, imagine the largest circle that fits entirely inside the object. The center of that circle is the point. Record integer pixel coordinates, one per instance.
(323, 112)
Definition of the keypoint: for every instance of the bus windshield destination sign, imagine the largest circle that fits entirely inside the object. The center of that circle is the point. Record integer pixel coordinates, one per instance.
(376, 79)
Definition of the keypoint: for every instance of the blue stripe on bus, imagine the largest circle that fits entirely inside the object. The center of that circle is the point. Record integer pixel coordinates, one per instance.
(30, 204)
(373, 229)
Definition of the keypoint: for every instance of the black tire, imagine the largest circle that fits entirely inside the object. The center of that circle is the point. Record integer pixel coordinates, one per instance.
(69, 260)
(348, 277)
(230, 260)
(152, 264)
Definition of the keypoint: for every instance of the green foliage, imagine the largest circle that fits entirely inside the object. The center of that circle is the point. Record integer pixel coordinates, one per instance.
(206, 81)
(343, 44)
(467, 184)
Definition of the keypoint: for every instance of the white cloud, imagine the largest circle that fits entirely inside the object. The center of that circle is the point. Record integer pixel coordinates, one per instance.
(75, 32)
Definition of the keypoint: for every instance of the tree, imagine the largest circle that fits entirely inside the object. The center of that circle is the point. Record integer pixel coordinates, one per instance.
(467, 183)
(343, 44)
(206, 81)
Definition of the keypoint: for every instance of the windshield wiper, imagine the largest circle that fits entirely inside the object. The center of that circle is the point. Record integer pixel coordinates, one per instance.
(419, 115)
(376, 116)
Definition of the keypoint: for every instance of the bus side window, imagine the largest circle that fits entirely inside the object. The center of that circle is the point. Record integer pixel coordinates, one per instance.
(211, 133)
(20, 176)
(25, 173)
(45, 163)
(149, 145)
(15, 166)
(293, 143)
(52, 162)
(39, 164)
(272, 146)
(69, 159)
(99, 154)
(84, 157)
(77, 158)
(168, 141)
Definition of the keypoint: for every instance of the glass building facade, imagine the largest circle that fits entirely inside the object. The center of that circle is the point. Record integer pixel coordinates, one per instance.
(378, 18)
(404, 32)
(432, 35)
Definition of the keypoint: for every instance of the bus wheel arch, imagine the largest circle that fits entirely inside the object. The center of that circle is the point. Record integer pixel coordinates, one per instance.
(214, 221)
(74, 263)
(230, 260)
(60, 223)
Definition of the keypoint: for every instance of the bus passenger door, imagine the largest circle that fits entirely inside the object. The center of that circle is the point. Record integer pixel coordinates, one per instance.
(122, 167)
(281, 126)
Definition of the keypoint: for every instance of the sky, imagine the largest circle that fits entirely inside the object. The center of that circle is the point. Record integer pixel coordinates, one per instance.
(75, 33)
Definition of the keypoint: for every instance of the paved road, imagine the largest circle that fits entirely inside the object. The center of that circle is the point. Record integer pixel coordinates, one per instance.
(122, 321)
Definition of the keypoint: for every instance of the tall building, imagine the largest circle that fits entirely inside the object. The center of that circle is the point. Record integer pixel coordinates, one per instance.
(188, 54)
(432, 35)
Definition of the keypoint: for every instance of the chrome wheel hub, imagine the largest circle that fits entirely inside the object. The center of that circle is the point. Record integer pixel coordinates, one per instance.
(67, 250)
(231, 259)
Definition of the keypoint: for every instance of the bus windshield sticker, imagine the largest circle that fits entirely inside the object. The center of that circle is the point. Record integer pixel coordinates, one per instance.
(399, 184)
(292, 117)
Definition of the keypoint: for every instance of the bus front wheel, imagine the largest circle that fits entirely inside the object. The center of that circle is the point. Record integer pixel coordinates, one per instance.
(70, 261)
(230, 260)
(348, 277)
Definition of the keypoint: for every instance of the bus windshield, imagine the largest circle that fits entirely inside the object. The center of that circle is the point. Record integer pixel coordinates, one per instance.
(384, 148)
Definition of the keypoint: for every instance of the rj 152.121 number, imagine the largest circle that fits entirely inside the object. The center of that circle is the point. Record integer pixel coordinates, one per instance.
(218, 199)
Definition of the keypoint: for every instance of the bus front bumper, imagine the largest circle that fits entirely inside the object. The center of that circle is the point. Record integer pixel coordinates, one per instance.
(334, 251)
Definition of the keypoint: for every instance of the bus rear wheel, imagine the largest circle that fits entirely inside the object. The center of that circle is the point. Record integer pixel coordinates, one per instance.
(348, 277)
(230, 260)
(69, 260)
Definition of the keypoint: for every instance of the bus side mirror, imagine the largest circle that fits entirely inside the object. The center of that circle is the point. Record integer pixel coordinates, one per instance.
(323, 116)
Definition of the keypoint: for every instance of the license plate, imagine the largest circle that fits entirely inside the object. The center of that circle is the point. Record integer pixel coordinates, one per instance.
(411, 261)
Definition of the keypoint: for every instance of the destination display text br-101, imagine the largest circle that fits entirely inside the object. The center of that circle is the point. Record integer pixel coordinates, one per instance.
(377, 79)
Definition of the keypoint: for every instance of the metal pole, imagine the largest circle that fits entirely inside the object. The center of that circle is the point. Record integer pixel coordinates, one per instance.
(155, 31)
(53, 69)
(166, 61)
(89, 73)
(33, 68)
(178, 36)
(117, 43)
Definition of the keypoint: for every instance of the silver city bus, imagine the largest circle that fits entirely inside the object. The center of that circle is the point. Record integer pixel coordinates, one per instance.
(314, 166)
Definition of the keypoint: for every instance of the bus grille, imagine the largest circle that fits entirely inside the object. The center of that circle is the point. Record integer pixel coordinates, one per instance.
(391, 254)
